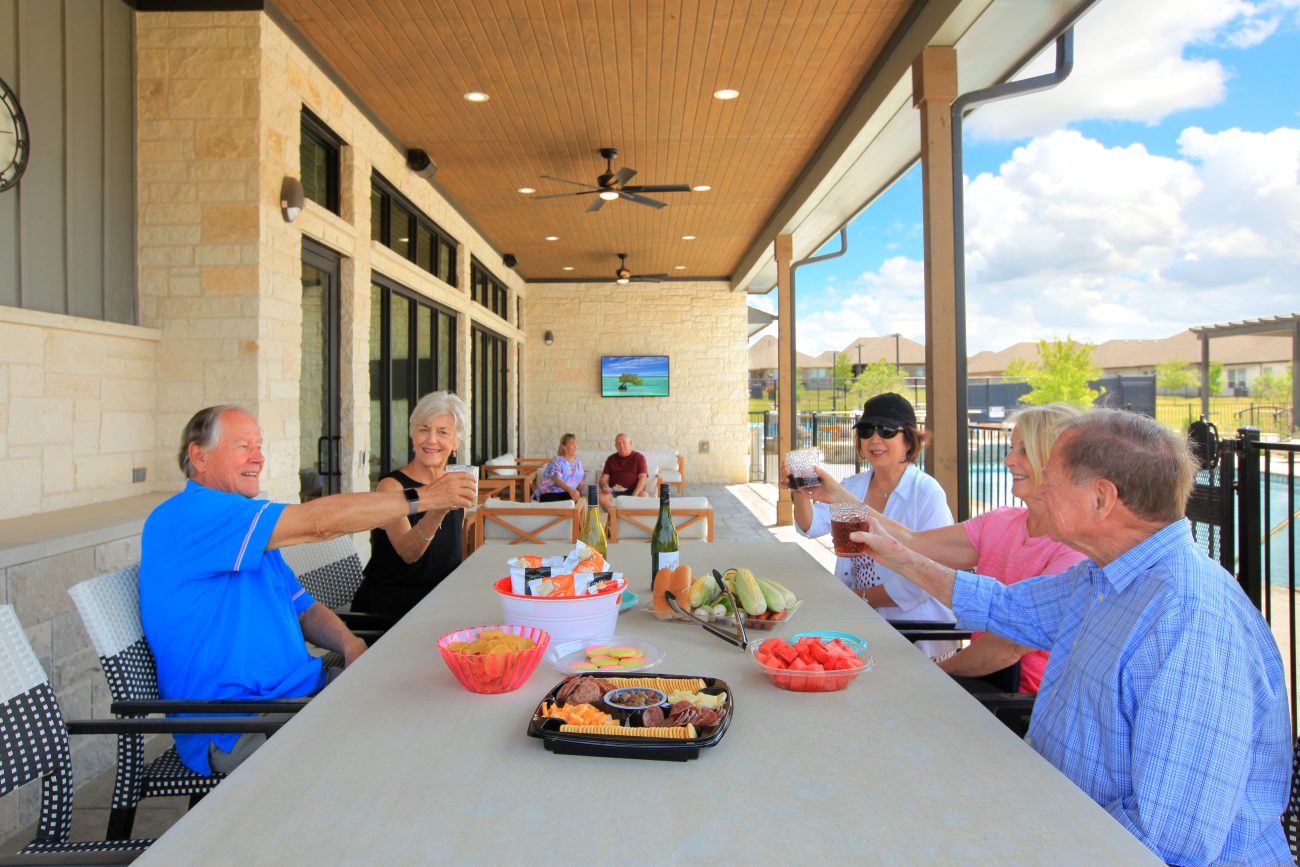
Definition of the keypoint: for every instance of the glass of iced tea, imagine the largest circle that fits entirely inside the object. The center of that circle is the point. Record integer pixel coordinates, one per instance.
(802, 464)
(848, 518)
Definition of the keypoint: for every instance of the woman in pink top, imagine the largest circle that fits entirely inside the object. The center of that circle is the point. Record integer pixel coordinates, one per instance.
(1010, 544)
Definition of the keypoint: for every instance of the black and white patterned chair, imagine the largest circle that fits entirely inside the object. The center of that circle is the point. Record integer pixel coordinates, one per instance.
(35, 745)
(331, 572)
(1291, 818)
(109, 606)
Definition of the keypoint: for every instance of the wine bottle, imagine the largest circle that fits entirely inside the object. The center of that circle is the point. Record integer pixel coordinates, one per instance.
(663, 541)
(592, 532)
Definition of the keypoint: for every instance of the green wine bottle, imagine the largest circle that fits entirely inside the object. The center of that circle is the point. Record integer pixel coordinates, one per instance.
(592, 532)
(663, 541)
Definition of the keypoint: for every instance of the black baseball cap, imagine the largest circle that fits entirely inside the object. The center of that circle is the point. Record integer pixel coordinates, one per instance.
(888, 410)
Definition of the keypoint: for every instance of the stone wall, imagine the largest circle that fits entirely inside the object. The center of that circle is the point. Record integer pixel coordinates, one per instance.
(78, 399)
(38, 590)
(700, 326)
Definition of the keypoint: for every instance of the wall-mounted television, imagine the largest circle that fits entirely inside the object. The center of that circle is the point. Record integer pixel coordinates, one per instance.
(634, 376)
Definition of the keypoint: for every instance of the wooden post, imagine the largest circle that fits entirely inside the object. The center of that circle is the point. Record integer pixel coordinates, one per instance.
(785, 368)
(934, 87)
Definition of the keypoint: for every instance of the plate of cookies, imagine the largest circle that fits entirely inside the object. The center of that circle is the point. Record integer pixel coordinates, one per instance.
(606, 655)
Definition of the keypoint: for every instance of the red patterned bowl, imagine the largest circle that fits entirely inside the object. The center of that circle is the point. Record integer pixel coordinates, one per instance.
(494, 672)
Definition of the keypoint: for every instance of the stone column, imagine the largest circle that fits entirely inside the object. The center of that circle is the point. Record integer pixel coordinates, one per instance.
(934, 87)
(785, 367)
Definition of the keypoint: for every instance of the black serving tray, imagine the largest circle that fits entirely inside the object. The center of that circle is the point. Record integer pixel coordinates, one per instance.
(613, 746)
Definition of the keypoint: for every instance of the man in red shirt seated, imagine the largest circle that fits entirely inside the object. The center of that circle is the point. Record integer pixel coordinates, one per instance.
(624, 473)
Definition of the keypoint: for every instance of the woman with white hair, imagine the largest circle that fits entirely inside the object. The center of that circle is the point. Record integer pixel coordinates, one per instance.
(410, 556)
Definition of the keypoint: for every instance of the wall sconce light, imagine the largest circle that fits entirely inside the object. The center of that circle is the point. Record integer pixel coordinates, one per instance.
(291, 199)
(548, 338)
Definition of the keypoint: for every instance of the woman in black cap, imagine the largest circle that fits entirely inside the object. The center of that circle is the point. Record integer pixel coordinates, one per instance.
(889, 440)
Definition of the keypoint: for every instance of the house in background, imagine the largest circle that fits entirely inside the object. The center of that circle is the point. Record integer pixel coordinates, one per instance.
(905, 354)
(813, 372)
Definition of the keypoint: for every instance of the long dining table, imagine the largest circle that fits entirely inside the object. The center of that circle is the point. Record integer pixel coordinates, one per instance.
(396, 763)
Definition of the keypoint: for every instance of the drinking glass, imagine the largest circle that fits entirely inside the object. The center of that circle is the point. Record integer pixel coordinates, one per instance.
(802, 464)
(466, 468)
(848, 518)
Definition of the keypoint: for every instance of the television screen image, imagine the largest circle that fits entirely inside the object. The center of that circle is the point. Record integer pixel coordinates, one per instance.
(634, 376)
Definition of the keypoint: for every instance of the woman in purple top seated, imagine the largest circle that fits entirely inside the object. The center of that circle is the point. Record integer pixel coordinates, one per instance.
(562, 477)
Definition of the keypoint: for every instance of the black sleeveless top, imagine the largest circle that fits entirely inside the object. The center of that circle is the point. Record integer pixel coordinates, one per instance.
(392, 586)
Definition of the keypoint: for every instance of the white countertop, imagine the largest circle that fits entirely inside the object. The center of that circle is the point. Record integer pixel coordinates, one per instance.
(397, 763)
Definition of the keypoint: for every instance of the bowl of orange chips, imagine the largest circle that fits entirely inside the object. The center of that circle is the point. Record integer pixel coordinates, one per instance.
(493, 659)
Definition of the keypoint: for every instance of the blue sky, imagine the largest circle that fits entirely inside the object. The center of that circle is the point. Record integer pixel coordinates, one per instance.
(1158, 188)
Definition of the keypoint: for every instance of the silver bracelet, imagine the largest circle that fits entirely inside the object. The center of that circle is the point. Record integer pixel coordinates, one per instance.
(416, 528)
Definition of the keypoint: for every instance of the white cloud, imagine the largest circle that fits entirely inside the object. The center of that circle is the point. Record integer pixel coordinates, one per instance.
(1131, 63)
(1072, 237)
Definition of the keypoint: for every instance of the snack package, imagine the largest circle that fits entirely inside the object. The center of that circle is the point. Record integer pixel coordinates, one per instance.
(551, 585)
(580, 565)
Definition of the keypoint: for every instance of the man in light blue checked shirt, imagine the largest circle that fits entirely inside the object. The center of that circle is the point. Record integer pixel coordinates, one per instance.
(1164, 697)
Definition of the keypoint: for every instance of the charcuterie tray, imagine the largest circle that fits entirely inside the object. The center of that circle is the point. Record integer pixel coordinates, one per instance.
(725, 619)
(612, 744)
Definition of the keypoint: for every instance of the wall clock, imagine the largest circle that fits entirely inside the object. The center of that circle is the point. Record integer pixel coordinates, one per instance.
(15, 143)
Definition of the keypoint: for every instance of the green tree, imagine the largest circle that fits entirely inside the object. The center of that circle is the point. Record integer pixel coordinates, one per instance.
(1271, 388)
(876, 378)
(1176, 374)
(1062, 373)
(842, 367)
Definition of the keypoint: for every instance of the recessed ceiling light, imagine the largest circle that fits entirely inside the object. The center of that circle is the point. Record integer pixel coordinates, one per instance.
(608, 195)
(726, 93)
(568, 267)
(701, 188)
(476, 96)
(527, 190)
(552, 237)
(688, 237)
(679, 267)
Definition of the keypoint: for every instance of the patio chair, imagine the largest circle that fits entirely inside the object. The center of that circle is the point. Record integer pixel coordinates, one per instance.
(632, 522)
(1010, 706)
(109, 606)
(1291, 818)
(331, 573)
(517, 523)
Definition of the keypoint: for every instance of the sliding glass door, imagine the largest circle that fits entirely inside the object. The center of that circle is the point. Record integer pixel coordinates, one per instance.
(319, 437)
(491, 421)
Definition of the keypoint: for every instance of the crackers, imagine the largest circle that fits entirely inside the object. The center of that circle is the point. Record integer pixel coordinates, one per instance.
(679, 733)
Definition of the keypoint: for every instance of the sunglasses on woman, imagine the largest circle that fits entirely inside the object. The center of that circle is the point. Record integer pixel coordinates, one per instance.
(866, 430)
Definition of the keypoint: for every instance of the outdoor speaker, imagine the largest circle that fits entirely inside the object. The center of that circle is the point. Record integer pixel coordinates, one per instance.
(509, 260)
(418, 161)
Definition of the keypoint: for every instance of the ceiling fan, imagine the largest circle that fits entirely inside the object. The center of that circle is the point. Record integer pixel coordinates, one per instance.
(613, 185)
(622, 275)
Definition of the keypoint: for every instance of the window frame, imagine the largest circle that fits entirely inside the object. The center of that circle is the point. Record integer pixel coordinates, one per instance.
(485, 288)
(391, 288)
(441, 239)
(313, 128)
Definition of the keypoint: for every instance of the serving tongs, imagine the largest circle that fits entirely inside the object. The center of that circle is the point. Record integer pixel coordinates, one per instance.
(738, 638)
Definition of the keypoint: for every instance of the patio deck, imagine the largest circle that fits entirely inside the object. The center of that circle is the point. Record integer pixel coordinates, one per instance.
(743, 513)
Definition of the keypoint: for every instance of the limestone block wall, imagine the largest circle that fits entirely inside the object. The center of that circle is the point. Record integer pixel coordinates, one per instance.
(288, 80)
(38, 590)
(700, 326)
(77, 400)
(198, 144)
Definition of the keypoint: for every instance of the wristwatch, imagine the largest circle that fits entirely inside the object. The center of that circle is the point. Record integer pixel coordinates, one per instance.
(413, 498)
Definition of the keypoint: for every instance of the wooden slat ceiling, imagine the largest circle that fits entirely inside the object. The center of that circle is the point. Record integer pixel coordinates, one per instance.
(567, 77)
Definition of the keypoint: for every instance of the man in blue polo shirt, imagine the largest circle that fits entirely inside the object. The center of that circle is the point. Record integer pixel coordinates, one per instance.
(223, 614)
(1164, 697)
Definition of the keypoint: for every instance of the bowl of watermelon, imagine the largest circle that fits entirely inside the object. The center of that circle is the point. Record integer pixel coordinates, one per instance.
(812, 663)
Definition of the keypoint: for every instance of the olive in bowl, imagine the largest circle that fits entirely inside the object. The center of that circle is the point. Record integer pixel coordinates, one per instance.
(635, 698)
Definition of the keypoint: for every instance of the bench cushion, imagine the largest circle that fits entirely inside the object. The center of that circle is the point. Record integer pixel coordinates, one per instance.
(506, 459)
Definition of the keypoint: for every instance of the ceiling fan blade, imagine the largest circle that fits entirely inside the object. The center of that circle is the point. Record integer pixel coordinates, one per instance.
(567, 181)
(595, 205)
(565, 195)
(642, 200)
(659, 188)
(623, 175)
(649, 278)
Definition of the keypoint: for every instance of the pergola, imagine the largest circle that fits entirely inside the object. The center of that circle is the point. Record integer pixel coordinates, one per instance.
(1275, 326)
